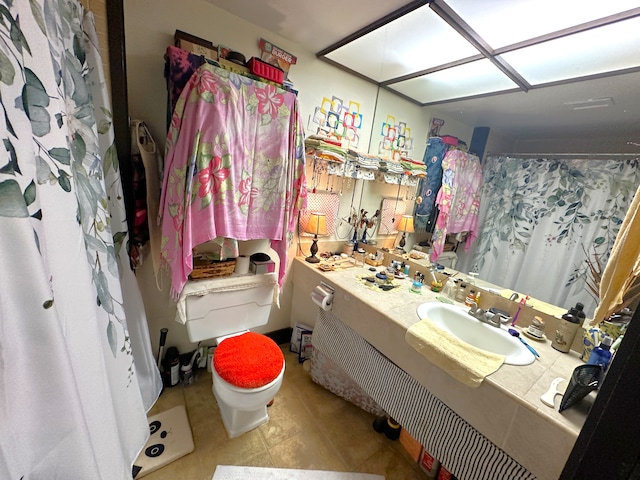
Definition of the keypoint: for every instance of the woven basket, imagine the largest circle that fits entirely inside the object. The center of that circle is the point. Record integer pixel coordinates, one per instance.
(205, 268)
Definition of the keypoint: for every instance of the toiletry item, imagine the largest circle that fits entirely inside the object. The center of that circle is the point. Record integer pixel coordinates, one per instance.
(416, 286)
(477, 298)
(513, 332)
(536, 328)
(406, 269)
(449, 289)
(171, 370)
(523, 302)
(566, 332)
(461, 293)
(471, 298)
(601, 355)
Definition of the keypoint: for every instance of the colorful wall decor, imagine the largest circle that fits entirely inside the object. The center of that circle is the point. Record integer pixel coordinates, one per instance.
(396, 139)
(338, 120)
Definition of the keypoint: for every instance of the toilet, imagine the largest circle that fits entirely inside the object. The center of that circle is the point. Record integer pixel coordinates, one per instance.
(247, 367)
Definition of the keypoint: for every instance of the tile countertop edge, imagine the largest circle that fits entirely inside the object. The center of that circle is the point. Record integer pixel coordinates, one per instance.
(400, 308)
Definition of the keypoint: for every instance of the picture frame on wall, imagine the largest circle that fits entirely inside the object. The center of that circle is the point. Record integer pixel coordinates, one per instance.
(435, 126)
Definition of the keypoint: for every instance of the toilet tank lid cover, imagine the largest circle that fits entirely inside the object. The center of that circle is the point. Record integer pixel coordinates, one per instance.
(249, 360)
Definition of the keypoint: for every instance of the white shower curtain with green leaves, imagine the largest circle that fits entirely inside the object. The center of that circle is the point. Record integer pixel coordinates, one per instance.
(541, 219)
(75, 379)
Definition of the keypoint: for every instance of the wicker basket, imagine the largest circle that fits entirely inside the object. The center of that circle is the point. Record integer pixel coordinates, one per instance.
(205, 268)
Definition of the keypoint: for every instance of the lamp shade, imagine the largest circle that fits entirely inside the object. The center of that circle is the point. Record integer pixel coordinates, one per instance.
(406, 224)
(317, 224)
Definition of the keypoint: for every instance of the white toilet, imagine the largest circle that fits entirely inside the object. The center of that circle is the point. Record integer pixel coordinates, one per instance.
(247, 368)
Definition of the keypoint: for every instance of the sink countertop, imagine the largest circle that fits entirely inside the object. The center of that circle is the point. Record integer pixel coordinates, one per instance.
(506, 408)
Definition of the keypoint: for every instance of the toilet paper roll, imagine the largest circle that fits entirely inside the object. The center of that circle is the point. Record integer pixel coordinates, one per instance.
(242, 265)
(322, 297)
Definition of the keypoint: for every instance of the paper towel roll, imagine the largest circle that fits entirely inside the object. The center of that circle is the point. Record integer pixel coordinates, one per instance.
(322, 297)
(242, 265)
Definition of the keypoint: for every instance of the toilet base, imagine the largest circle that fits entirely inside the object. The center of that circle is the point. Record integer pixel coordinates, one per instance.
(236, 422)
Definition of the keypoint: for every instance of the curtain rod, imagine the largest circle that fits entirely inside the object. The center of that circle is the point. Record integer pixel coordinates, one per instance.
(565, 154)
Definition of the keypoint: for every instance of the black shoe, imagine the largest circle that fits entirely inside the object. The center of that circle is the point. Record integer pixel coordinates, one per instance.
(379, 424)
(392, 429)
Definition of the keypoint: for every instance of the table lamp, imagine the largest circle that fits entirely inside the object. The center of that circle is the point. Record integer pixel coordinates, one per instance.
(405, 225)
(318, 226)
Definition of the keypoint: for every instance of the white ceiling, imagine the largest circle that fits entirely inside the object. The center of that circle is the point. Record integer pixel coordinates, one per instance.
(544, 112)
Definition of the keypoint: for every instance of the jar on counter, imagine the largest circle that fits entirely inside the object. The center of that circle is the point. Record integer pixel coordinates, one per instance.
(461, 293)
(471, 298)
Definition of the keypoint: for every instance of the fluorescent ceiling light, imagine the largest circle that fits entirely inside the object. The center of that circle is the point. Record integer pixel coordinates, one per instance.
(608, 48)
(417, 41)
(505, 22)
(475, 78)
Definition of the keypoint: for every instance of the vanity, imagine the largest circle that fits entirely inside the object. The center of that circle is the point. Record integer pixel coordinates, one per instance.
(503, 416)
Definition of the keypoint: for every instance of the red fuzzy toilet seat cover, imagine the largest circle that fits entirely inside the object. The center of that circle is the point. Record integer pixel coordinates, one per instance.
(249, 360)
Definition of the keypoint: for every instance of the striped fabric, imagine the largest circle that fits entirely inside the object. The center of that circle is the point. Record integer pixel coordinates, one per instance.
(459, 447)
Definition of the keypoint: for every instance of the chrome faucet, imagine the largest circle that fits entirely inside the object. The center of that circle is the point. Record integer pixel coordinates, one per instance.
(484, 316)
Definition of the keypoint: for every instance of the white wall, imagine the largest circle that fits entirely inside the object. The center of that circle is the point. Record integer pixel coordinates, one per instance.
(149, 29)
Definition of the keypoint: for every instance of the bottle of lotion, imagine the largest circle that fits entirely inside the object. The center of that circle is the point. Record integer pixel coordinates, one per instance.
(566, 332)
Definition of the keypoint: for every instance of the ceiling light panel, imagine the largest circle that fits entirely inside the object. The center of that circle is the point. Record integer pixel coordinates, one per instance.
(416, 41)
(608, 48)
(475, 78)
(505, 22)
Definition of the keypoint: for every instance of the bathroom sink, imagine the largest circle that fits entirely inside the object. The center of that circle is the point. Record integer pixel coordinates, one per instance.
(456, 321)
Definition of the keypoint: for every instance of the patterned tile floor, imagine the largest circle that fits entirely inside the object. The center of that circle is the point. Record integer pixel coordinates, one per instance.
(309, 428)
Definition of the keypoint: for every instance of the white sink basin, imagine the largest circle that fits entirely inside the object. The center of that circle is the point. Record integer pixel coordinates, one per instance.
(456, 321)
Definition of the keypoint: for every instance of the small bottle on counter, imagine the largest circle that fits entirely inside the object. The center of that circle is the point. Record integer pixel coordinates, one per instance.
(601, 355)
(449, 289)
(471, 298)
(566, 332)
(461, 293)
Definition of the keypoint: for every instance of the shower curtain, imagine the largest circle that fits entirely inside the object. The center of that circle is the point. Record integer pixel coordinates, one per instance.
(75, 379)
(541, 218)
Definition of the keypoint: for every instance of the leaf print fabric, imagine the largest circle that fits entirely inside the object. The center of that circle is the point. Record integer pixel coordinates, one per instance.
(234, 168)
(538, 214)
(76, 411)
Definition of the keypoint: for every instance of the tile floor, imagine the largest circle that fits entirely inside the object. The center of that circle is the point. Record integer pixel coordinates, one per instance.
(309, 428)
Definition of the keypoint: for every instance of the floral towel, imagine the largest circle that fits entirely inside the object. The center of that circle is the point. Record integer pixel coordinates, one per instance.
(234, 168)
(458, 199)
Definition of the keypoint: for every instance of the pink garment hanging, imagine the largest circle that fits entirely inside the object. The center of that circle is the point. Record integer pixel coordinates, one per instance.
(458, 200)
(234, 168)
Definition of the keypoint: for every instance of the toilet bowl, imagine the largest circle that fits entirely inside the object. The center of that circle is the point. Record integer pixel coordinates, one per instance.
(247, 372)
(247, 367)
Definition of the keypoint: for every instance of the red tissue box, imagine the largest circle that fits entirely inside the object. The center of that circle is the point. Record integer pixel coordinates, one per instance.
(264, 70)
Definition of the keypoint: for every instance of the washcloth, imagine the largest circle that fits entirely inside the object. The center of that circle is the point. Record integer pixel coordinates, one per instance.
(623, 266)
(234, 282)
(464, 362)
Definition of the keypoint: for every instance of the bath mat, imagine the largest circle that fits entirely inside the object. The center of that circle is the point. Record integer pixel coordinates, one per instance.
(226, 472)
(170, 440)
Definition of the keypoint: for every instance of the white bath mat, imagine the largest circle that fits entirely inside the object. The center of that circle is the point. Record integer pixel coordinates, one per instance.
(226, 472)
(170, 440)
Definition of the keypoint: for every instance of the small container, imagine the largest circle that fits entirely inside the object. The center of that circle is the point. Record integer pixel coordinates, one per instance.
(347, 248)
(471, 298)
(461, 293)
(416, 286)
(566, 332)
(601, 355)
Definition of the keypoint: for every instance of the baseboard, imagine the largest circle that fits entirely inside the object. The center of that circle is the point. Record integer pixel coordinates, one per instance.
(281, 336)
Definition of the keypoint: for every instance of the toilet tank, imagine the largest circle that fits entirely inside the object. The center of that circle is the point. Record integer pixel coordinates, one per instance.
(228, 305)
